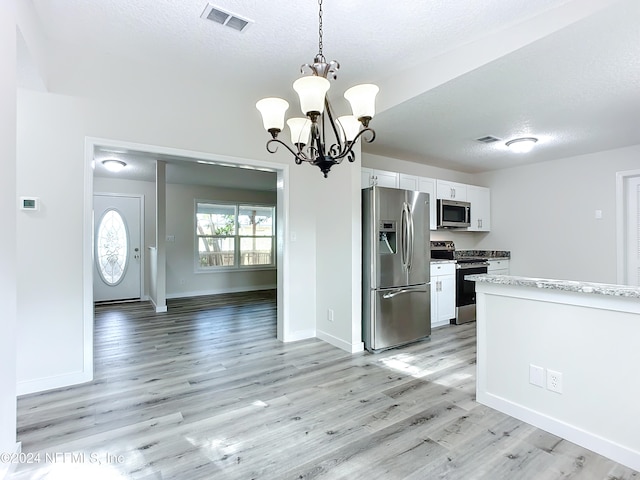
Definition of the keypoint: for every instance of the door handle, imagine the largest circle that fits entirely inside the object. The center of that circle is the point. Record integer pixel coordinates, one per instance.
(400, 291)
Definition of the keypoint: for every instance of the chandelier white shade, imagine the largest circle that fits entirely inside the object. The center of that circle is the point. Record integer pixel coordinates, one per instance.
(300, 130)
(350, 127)
(272, 110)
(312, 91)
(363, 100)
(321, 138)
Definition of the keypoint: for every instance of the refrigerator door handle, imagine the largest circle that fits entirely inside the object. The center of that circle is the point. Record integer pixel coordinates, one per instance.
(410, 240)
(400, 291)
(404, 231)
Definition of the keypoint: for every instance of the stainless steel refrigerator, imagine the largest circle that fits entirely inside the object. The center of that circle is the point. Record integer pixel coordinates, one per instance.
(396, 297)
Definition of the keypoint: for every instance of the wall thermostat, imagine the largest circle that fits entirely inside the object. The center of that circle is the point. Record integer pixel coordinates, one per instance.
(29, 203)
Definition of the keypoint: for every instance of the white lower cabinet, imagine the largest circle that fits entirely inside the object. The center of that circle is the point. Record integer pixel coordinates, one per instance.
(443, 293)
(498, 267)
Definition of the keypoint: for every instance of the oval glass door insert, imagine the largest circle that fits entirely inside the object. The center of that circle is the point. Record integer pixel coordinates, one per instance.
(112, 246)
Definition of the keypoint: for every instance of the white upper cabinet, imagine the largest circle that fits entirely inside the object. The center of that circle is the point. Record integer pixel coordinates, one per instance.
(451, 190)
(480, 199)
(382, 178)
(422, 184)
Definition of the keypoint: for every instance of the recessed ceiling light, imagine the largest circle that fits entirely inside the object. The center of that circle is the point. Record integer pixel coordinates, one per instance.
(521, 145)
(114, 165)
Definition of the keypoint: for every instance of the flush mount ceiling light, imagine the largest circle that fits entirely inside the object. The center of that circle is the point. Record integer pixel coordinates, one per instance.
(114, 165)
(320, 138)
(521, 145)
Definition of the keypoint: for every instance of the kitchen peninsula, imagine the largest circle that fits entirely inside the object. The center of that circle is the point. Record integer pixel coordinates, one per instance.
(550, 353)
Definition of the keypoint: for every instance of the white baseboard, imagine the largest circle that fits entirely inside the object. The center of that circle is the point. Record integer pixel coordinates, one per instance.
(158, 309)
(440, 324)
(596, 443)
(48, 383)
(218, 291)
(338, 342)
(7, 468)
(299, 335)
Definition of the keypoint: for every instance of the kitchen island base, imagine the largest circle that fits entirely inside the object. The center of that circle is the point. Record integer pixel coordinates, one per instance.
(584, 337)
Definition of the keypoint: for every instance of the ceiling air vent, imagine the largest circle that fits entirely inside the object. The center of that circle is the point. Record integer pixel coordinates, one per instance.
(218, 15)
(487, 139)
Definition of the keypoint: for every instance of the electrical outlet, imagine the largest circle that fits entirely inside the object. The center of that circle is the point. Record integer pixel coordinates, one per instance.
(536, 375)
(554, 381)
(330, 315)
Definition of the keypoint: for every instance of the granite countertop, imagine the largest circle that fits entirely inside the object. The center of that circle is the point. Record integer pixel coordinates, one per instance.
(438, 260)
(563, 285)
(490, 254)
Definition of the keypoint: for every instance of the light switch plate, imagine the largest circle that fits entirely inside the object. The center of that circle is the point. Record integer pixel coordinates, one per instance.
(536, 375)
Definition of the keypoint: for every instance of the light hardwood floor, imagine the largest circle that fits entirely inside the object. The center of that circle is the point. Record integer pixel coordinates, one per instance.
(205, 391)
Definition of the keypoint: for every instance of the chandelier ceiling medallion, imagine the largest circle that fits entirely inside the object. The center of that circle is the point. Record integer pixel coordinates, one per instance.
(320, 138)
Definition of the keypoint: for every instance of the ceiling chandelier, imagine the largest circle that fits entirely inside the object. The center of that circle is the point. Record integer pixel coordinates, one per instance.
(320, 138)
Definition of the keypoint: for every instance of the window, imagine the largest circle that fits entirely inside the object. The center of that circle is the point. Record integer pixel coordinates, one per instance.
(235, 235)
(112, 241)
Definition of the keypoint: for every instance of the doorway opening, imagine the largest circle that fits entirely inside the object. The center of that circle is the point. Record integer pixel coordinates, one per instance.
(628, 227)
(187, 161)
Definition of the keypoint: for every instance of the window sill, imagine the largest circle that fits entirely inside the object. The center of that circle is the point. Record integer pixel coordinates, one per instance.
(234, 269)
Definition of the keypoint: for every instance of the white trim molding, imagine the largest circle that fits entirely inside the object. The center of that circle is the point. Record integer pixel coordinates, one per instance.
(282, 225)
(48, 383)
(621, 215)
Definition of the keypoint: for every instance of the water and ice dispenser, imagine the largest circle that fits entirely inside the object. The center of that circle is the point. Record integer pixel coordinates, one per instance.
(387, 243)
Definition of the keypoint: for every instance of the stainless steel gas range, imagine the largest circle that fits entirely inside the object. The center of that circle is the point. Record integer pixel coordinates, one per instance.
(465, 289)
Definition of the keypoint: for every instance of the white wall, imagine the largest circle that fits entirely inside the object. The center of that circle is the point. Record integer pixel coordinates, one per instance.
(176, 112)
(180, 254)
(8, 203)
(545, 215)
(338, 224)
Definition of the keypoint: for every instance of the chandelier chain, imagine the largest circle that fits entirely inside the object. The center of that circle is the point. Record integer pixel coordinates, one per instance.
(320, 28)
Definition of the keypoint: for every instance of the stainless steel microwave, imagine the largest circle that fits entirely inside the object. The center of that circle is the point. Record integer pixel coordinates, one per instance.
(453, 214)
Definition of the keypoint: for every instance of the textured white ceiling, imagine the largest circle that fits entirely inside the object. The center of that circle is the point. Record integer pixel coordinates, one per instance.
(566, 71)
(142, 167)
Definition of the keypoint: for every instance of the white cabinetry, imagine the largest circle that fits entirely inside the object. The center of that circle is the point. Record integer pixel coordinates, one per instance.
(480, 200)
(451, 190)
(498, 266)
(382, 178)
(479, 197)
(422, 184)
(443, 293)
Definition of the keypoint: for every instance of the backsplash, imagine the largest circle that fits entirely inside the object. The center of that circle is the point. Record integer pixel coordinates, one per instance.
(482, 253)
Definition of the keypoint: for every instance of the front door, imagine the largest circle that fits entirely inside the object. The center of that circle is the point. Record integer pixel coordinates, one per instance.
(116, 247)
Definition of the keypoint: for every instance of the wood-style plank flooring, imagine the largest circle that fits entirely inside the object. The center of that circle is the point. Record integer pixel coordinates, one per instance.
(205, 391)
